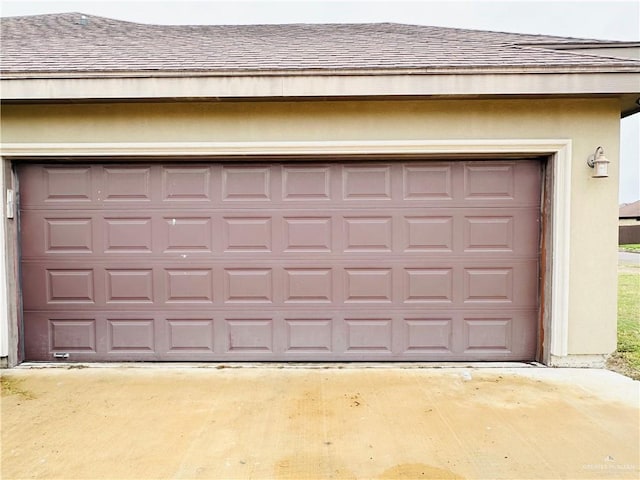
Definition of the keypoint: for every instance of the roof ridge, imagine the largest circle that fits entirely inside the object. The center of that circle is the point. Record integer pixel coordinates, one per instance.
(67, 14)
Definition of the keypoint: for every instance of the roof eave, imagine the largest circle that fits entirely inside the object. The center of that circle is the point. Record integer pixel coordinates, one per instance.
(436, 70)
(361, 84)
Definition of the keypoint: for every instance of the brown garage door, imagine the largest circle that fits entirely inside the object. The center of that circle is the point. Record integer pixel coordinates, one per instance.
(281, 261)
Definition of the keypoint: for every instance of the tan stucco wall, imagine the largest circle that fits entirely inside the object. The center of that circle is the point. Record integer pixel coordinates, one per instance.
(588, 123)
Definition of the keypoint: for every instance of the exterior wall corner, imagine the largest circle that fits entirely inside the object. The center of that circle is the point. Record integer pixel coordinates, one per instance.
(578, 361)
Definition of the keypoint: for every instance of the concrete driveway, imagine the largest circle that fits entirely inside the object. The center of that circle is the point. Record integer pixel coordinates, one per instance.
(629, 259)
(318, 422)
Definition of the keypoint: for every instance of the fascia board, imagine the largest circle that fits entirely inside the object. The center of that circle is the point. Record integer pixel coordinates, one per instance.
(296, 86)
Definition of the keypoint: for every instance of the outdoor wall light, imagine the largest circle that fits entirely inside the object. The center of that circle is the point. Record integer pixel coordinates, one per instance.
(600, 163)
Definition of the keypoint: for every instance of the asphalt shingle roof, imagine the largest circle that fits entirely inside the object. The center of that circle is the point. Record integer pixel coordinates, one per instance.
(630, 210)
(77, 43)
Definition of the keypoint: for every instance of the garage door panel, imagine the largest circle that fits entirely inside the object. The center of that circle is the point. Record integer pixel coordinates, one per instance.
(69, 285)
(186, 234)
(428, 336)
(129, 285)
(298, 261)
(488, 285)
(303, 183)
(187, 184)
(428, 285)
(246, 183)
(450, 184)
(510, 182)
(488, 335)
(483, 232)
(307, 234)
(427, 233)
(504, 231)
(68, 235)
(366, 182)
(133, 334)
(312, 334)
(59, 286)
(248, 285)
(188, 285)
(189, 335)
(247, 234)
(58, 232)
(501, 282)
(308, 285)
(250, 335)
(368, 285)
(427, 181)
(497, 333)
(130, 234)
(369, 335)
(367, 234)
(59, 185)
(489, 181)
(74, 333)
(126, 184)
(360, 335)
(259, 283)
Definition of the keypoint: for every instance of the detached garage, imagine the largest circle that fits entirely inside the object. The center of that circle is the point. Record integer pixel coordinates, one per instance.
(243, 193)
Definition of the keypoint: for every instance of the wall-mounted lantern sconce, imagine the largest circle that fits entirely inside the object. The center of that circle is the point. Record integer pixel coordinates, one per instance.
(600, 163)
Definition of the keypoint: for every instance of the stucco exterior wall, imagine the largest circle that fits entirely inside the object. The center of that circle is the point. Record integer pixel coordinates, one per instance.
(588, 123)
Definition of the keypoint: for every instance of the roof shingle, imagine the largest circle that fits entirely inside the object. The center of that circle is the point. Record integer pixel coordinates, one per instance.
(76, 43)
(630, 210)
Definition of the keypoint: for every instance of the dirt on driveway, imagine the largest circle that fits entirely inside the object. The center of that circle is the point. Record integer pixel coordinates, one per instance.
(318, 423)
